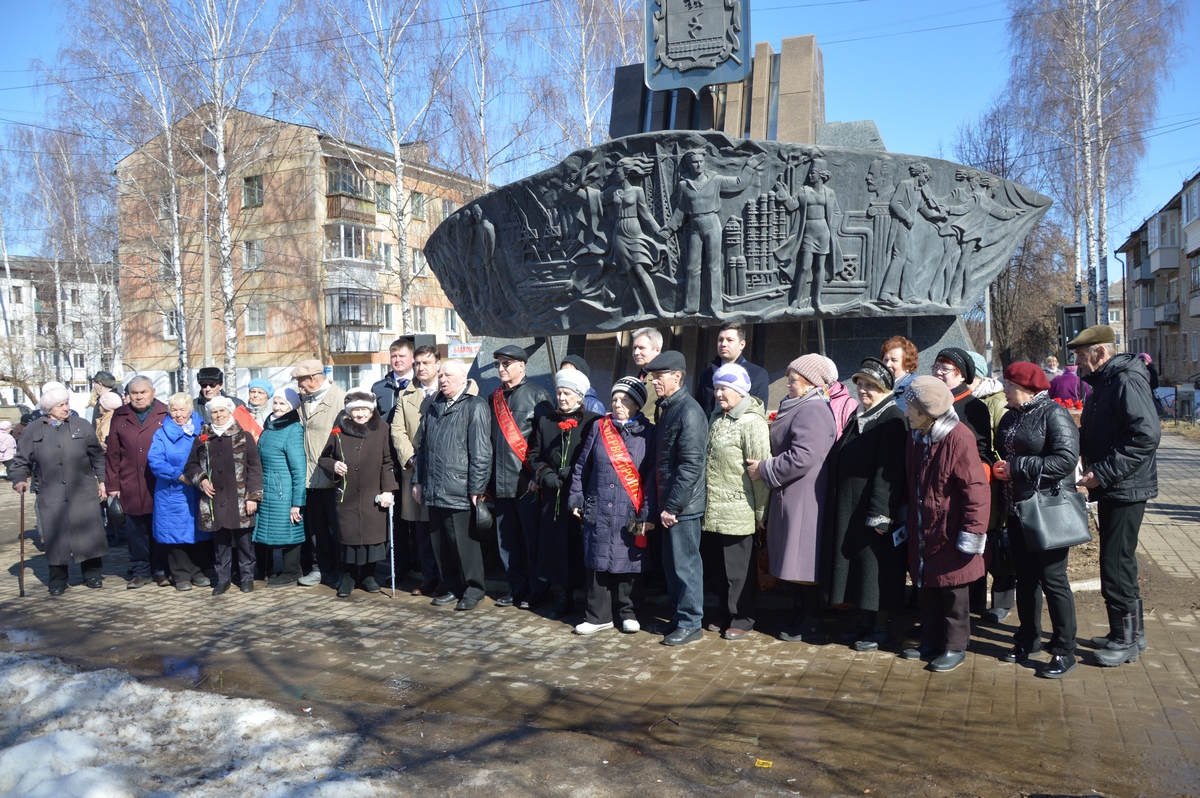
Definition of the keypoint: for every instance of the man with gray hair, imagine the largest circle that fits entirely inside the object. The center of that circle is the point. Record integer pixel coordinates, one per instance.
(1118, 437)
(322, 404)
(645, 344)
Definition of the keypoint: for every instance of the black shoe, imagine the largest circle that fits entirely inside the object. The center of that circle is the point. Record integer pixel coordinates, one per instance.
(920, 652)
(200, 580)
(136, 582)
(95, 583)
(1020, 652)
(996, 614)
(1123, 650)
(247, 586)
(220, 588)
(427, 588)
(1104, 640)
(807, 631)
(283, 581)
(873, 641)
(182, 586)
(162, 580)
(444, 600)
(331, 580)
(345, 586)
(948, 661)
(57, 590)
(1059, 666)
(564, 605)
(370, 585)
(506, 600)
(534, 600)
(859, 632)
(464, 604)
(681, 637)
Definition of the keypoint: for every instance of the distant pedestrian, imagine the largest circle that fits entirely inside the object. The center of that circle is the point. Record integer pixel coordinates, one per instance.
(8, 445)
(1051, 369)
(1069, 386)
(177, 501)
(279, 522)
(106, 405)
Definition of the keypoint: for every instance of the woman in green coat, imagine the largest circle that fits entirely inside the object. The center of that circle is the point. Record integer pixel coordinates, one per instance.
(736, 504)
(281, 448)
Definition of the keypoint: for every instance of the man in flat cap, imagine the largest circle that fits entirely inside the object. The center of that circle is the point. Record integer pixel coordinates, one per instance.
(212, 384)
(321, 404)
(679, 476)
(1118, 438)
(517, 506)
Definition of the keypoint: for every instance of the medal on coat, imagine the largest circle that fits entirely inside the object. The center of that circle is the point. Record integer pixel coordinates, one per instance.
(618, 453)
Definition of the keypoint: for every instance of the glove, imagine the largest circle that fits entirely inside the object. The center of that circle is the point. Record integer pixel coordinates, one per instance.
(550, 480)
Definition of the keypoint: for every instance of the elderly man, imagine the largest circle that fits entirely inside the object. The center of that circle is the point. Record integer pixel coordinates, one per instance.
(1118, 438)
(518, 511)
(679, 468)
(322, 404)
(127, 474)
(731, 343)
(212, 384)
(645, 344)
(450, 475)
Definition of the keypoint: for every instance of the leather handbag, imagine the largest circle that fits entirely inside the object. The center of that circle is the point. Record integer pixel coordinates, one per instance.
(116, 513)
(1054, 520)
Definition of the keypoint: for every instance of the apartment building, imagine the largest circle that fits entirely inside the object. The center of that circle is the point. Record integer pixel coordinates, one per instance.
(1162, 278)
(313, 244)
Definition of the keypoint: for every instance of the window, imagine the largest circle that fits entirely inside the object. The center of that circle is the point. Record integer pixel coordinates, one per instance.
(1191, 203)
(256, 320)
(350, 241)
(164, 205)
(16, 295)
(1173, 290)
(389, 317)
(171, 325)
(106, 302)
(77, 360)
(1195, 347)
(16, 328)
(258, 374)
(418, 205)
(252, 255)
(420, 318)
(344, 177)
(208, 140)
(76, 298)
(106, 337)
(165, 268)
(383, 197)
(449, 206)
(385, 257)
(1194, 271)
(349, 307)
(418, 262)
(252, 191)
(76, 330)
(1114, 316)
(451, 321)
(1164, 230)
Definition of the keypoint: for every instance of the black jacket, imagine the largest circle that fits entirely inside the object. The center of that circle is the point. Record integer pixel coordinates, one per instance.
(510, 479)
(386, 391)
(454, 452)
(682, 451)
(974, 413)
(1038, 436)
(546, 453)
(1119, 431)
(760, 384)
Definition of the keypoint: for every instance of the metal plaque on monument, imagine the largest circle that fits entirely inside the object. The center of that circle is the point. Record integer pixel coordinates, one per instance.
(691, 44)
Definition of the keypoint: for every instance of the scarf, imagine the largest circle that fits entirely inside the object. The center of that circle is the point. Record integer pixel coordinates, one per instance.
(189, 429)
(223, 429)
(864, 417)
(940, 429)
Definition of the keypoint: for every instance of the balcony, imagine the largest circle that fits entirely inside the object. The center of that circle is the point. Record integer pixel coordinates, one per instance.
(1164, 259)
(1141, 270)
(353, 317)
(1143, 319)
(1194, 306)
(346, 340)
(1167, 313)
(340, 206)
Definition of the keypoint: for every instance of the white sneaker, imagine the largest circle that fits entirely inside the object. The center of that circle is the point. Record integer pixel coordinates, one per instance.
(586, 628)
(313, 578)
(629, 626)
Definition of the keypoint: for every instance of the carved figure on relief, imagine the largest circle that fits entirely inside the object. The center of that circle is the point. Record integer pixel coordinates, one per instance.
(637, 246)
(909, 204)
(585, 212)
(971, 221)
(815, 246)
(696, 204)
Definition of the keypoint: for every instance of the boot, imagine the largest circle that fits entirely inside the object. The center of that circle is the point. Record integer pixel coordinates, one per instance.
(1114, 630)
(1126, 650)
(564, 604)
(1141, 629)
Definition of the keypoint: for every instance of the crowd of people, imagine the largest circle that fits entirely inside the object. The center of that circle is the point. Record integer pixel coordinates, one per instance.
(914, 479)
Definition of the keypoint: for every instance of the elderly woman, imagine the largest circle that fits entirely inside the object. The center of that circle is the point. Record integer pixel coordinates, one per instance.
(260, 401)
(558, 435)
(176, 501)
(69, 461)
(106, 405)
(1039, 446)
(736, 504)
(948, 506)
(358, 458)
(612, 492)
(900, 356)
(861, 564)
(801, 436)
(279, 523)
(841, 402)
(225, 466)
(8, 444)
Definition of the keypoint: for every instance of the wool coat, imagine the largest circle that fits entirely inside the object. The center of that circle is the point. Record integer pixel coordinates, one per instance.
(860, 566)
(796, 472)
(319, 416)
(285, 468)
(176, 505)
(366, 449)
(948, 499)
(231, 463)
(126, 467)
(735, 503)
(68, 462)
(552, 457)
(608, 544)
(405, 431)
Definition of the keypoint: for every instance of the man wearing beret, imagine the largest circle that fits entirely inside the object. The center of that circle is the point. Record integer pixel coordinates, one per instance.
(322, 403)
(517, 507)
(679, 469)
(212, 384)
(1118, 437)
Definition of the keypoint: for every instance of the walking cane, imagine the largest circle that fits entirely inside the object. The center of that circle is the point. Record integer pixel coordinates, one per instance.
(392, 550)
(21, 573)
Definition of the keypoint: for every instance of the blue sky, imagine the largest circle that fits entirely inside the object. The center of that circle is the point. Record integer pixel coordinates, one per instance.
(920, 70)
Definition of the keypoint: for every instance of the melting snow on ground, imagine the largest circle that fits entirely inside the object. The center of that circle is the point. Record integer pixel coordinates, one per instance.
(103, 734)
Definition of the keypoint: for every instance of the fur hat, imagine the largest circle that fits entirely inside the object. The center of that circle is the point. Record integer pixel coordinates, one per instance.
(52, 397)
(929, 395)
(634, 388)
(812, 368)
(573, 380)
(731, 375)
(360, 397)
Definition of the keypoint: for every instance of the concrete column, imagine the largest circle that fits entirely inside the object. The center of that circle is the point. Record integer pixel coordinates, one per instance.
(761, 90)
(801, 90)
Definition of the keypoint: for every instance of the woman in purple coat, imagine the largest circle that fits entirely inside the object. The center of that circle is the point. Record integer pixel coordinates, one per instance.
(615, 468)
(802, 434)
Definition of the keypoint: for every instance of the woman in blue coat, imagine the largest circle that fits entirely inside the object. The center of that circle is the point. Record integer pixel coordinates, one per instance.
(279, 522)
(176, 503)
(614, 527)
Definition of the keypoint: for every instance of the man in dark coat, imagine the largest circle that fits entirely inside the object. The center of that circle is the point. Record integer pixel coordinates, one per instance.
(212, 384)
(731, 342)
(450, 475)
(128, 476)
(64, 453)
(518, 510)
(1119, 435)
(679, 469)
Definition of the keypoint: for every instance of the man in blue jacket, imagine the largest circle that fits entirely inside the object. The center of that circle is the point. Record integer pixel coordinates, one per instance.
(731, 342)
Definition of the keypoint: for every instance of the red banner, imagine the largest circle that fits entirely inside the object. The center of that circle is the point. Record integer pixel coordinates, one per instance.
(508, 426)
(622, 462)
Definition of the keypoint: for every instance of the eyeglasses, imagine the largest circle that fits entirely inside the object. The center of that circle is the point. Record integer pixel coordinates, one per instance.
(944, 368)
(505, 365)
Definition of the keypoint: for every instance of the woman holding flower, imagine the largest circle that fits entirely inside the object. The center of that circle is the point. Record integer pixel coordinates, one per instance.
(558, 434)
(358, 456)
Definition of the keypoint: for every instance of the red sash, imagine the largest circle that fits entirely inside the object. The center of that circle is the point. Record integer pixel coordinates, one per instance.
(508, 426)
(623, 464)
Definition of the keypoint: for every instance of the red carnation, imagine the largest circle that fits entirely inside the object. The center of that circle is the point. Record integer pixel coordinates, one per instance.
(771, 417)
(569, 424)
(204, 438)
(336, 431)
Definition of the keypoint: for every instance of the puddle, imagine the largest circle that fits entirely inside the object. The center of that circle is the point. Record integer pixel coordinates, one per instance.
(21, 637)
(181, 668)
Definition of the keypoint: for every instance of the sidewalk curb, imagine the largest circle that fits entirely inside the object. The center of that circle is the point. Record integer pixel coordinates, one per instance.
(1086, 586)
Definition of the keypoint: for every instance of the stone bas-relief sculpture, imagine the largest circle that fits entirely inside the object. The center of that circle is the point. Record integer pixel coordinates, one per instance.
(696, 228)
(691, 44)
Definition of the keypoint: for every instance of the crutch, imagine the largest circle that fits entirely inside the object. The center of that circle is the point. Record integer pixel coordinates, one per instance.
(392, 550)
(21, 573)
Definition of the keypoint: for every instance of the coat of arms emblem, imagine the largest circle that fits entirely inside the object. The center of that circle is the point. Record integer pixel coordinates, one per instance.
(695, 43)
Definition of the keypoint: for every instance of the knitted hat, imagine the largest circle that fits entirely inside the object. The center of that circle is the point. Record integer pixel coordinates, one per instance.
(831, 371)
(52, 397)
(1145, 358)
(287, 393)
(105, 378)
(360, 397)
(731, 375)
(929, 395)
(812, 368)
(981, 366)
(1028, 375)
(874, 370)
(578, 362)
(111, 401)
(5, 426)
(961, 360)
(573, 380)
(634, 388)
(263, 385)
